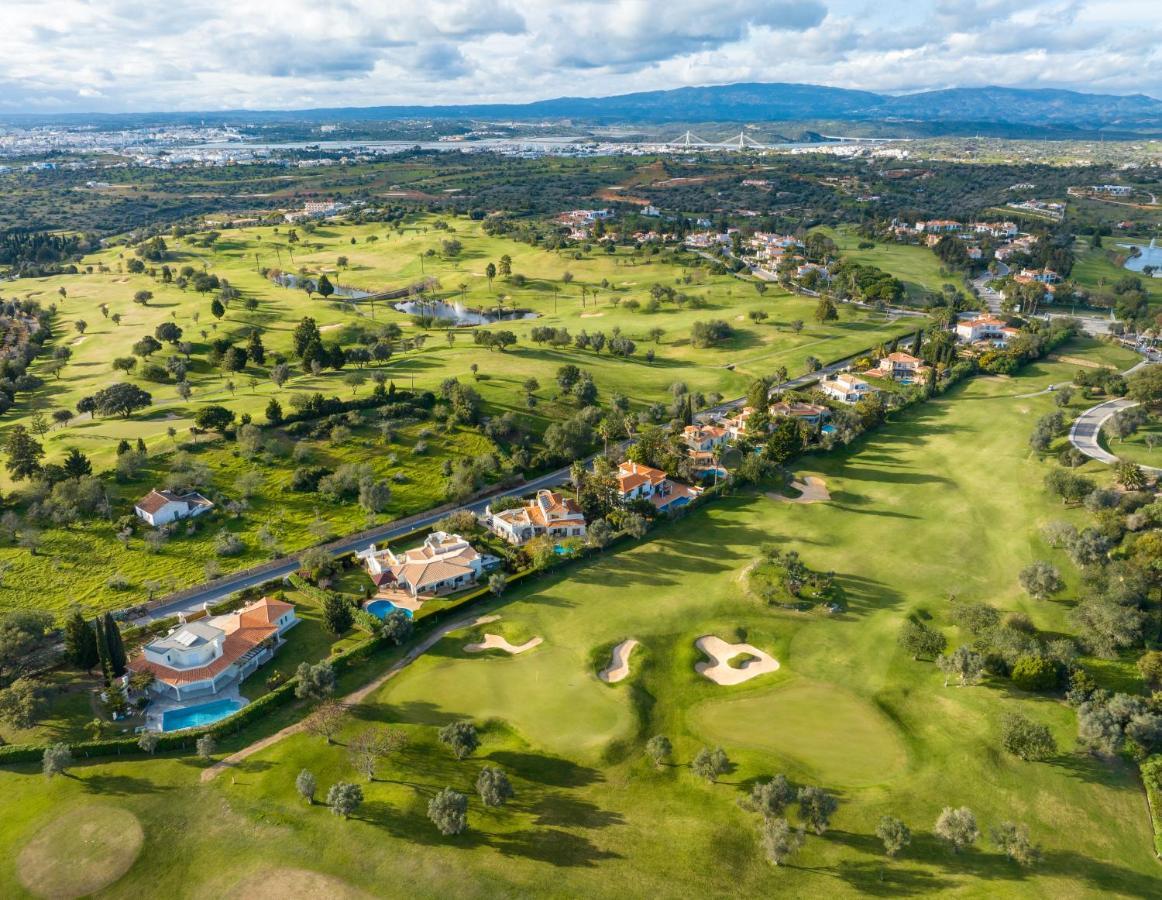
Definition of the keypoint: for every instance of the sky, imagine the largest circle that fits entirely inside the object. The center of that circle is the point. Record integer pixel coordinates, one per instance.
(127, 56)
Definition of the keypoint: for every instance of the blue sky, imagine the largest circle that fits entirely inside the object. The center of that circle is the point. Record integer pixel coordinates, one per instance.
(125, 55)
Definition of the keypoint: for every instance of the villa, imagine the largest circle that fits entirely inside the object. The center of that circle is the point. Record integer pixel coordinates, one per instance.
(548, 513)
(640, 482)
(811, 413)
(984, 328)
(736, 425)
(1040, 276)
(201, 658)
(443, 563)
(162, 507)
(846, 388)
(901, 365)
(704, 437)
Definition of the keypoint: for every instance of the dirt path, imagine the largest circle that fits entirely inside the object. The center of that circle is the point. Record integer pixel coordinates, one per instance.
(355, 697)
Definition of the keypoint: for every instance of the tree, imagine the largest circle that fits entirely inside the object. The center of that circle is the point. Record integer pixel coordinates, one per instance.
(117, 656)
(779, 840)
(315, 682)
(826, 311)
(816, 807)
(148, 741)
(448, 810)
(461, 738)
(1025, 738)
(217, 310)
(894, 834)
(214, 418)
(327, 720)
(306, 785)
(490, 273)
(635, 526)
(1013, 840)
(493, 786)
(709, 764)
(324, 287)
(344, 798)
(397, 627)
(147, 346)
(921, 640)
(1041, 580)
(1150, 668)
(1130, 476)
(1034, 672)
(121, 399)
(957, 827)
(81, 642)
(659, 750)
(76, 464)
(371, 745)
(168, 332)
(125, 363)
(205, 747)
(21, 703)
(274, 412)
(338, 616)
(58, 759)
(24, 453)
(962, 663)
(770, 798)
(497, 582)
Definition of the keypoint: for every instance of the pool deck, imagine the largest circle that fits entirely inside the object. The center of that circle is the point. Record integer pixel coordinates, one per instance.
(401, 599)
(160, 705)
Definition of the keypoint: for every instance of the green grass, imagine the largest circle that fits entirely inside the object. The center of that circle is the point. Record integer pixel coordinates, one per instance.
(1094, 269)
(917, 267)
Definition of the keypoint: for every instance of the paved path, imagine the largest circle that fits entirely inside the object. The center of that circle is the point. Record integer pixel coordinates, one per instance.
(352, 699)
(1086, 431)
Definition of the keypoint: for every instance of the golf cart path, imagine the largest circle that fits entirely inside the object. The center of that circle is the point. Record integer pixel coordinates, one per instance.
(355, 697)
(1086, 429)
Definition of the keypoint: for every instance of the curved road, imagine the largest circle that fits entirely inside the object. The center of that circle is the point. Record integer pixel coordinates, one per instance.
(1086, 431)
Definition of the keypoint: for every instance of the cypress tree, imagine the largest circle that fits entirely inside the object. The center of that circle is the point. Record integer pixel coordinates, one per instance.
(81, 642)
(117, 658)
(916, 343)
(102, 649)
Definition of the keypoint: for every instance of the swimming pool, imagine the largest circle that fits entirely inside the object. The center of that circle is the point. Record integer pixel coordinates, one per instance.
(202, 714)
(381, 609)
(828, 429)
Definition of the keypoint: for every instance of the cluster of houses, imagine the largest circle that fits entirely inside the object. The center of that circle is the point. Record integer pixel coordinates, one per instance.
(580, 221)
(1001, 235)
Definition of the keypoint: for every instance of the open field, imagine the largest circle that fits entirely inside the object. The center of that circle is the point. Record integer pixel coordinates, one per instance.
(917, 267)
(949, 497)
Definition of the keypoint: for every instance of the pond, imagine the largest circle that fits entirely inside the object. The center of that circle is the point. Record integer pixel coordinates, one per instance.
(1150, 256)
(342, 292)
(458, 314)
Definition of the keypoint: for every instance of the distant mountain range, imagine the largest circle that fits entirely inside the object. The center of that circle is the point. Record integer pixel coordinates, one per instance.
(947, 111)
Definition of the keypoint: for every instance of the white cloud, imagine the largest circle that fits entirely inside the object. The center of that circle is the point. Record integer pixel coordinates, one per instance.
(206, 54)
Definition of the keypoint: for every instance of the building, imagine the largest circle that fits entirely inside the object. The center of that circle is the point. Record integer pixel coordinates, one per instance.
(938, 226)
(202, 658)
(705, 438)
(811, 413)
(1040, 276)
(548, 513)
(984, 328)
(640, 482)
(1114, 190)
(900, 365)
(736, 425)
(443, 563)
(162, 507)
(846, 388)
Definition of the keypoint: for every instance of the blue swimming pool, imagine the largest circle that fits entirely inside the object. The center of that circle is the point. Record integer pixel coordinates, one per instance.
(381, 609)
(202, 714)
(828, 429)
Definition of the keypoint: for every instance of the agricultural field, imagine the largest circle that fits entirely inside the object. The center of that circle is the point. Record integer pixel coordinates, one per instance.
(951, 499)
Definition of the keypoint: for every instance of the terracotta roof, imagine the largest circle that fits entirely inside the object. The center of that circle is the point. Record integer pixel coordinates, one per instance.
(265, 612)
(632, 474)
(901, 357)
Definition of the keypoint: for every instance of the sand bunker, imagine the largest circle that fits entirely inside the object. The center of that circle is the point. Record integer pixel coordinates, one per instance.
(720, 652)
(591, 315)
(496, 642)
(294, 884)
(811, 490)
(619, 666)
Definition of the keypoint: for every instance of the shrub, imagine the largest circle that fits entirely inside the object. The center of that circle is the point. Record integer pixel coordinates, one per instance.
(1035, 673)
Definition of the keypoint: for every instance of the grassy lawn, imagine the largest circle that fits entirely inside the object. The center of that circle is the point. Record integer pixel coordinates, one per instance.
(950, 499)
(1094, 270)
(917, 267)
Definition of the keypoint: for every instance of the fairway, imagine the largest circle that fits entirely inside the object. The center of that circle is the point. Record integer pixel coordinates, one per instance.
(835, 737)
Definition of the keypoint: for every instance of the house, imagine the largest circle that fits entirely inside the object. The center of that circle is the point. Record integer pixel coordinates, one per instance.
(938, 226)
(811, 413)
(202, 658)
(900, 365)
(705, 438)
(736, 425)
(846, 388)
(640, 482)
(444, 562)
(984, 328)
(1040, 276)
(813, 267)
(1114, 190)
(548, 513)
(162, 507)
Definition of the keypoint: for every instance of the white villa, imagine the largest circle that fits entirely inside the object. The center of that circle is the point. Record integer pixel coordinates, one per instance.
(984, 328)
(443, 563)
(162, 507)
(704, 438)
(901, 365)
(201, 658)
(846, 387)
(811, 413)
(548, 513)
(640, 482)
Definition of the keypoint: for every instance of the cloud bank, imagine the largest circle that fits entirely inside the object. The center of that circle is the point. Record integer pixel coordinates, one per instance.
(123, 55)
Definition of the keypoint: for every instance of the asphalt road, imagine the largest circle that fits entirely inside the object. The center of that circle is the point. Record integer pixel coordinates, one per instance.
(1086, 431)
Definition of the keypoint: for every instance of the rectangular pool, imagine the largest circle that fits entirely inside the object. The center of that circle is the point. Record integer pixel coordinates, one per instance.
(202, 714)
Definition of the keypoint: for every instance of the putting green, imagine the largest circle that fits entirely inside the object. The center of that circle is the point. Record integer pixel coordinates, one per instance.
(839, 736)
(80, 852)
(549, 695)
